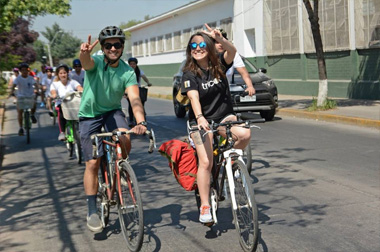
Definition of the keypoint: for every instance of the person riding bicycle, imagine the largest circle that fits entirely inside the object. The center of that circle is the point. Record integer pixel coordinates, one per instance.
(26, 87)
(139, 75)
(107, 79)
(77, 73)
(205, 84)
(238, 65)
(16, 73)
(46, 83)
(40, 76)
(61, 86)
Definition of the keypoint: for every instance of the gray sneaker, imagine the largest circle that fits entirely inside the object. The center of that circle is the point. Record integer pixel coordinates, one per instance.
(62, 136)
(94, 223)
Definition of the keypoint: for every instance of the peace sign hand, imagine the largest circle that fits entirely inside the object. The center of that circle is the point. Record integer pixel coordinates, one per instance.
(213, 33)
(87, 47)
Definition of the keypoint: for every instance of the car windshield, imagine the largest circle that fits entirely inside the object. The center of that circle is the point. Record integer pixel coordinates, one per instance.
(250, 67)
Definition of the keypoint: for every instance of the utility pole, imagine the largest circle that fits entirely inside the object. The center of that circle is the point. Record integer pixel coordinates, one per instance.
(49, 46)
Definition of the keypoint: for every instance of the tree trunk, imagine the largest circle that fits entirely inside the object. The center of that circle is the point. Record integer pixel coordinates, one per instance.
(314, 23)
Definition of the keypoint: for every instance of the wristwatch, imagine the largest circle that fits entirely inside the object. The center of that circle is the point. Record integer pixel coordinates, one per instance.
(143, 123)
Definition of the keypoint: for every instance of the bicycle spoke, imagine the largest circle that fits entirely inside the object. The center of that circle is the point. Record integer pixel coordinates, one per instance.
(130, 208)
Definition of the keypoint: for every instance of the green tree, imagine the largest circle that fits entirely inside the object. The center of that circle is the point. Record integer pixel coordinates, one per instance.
(314, 23)
(63, 44)
(10, 10)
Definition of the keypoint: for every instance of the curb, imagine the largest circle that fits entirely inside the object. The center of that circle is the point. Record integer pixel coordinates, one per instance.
(330, 118)
(308, 115)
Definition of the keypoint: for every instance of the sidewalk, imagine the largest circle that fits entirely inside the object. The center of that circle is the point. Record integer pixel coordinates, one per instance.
(357, 112)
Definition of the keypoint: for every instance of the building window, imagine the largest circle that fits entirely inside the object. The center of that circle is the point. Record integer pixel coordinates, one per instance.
(198, 28)
(186, 34)
(160, 44)
(177, 40)
(282, 30)
(168, 42)
(212, 25)
(367, 26)
(140, 50)
(153, 46)
(135, 49)
(226, 25)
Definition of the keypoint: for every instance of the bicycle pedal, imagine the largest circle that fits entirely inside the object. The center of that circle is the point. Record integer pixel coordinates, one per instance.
(113, 203)
(221, 198)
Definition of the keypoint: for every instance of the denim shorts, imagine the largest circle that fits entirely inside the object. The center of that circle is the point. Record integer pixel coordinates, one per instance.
(92, 125)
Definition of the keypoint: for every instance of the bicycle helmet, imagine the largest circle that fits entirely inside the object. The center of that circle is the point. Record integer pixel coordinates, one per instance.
(132, 60)
(76, 62)
(111, 32)
(66, 67)
(49, 68)
(23, 65)
(15, 69)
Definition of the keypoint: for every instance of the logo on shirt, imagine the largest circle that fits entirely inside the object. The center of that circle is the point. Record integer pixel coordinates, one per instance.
(210, 83)
(186, 84)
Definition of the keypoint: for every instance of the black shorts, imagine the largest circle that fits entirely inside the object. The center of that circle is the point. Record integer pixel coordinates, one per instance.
(92, 125)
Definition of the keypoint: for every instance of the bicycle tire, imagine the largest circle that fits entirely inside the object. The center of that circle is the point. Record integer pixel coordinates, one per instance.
(245, 216)
(77, 143)
(27, 124)
(131, 216)
(102, 196)
(69, 145)
(247, 157)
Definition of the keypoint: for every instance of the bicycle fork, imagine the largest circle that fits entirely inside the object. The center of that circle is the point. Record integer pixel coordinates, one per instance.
(230, 179)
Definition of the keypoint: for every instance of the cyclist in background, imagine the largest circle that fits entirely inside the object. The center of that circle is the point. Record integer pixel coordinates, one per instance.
(107, 79)
(46, 83)
(10, 83)
(204, 82)
(238, 65)
(77, 73)
(26, 87)
(40, 76)
(139, 75)
(61, 86)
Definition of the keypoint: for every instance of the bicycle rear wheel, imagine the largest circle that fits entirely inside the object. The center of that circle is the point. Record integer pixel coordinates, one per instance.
(131, 209)
(245, 216)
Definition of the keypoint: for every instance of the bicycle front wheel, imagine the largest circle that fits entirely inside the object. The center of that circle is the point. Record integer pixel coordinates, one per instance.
(130, 209)
(77, 144)
(247, 157)
(245, 215)
(27, 126)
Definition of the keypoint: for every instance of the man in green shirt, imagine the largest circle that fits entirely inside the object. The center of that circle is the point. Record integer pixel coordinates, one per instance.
(107, 79)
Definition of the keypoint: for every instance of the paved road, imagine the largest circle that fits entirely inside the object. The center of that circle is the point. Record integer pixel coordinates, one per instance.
(317, 187)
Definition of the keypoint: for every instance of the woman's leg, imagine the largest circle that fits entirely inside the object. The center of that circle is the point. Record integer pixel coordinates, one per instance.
(203, 147)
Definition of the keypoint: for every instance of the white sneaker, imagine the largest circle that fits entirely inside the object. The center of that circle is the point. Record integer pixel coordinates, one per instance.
(205, 214)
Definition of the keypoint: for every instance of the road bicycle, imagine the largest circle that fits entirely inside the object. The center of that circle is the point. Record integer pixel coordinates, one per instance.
(70, 108)
(26, 104)
(229, 173)
(118, 185)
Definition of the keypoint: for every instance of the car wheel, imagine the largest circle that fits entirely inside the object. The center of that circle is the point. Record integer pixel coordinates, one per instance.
(268, 115)
(179, 110)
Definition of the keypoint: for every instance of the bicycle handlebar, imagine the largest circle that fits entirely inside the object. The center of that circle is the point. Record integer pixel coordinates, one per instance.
(149, 133)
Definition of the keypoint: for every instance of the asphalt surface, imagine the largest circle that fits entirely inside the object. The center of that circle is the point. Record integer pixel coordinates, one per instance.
(315, 191)
(364, 113)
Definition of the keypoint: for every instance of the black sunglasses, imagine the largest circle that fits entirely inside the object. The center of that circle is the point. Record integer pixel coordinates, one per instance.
(117, 45)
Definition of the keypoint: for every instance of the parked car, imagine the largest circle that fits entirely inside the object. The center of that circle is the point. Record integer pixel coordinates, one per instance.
(265, 101)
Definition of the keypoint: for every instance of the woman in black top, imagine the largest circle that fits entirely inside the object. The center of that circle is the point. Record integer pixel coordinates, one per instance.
(204, 83)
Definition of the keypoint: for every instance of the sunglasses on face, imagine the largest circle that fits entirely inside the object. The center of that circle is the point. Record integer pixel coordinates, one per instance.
(201, 45)
(117, 45)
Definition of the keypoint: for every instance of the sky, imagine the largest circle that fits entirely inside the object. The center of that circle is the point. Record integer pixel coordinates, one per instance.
(91, 16)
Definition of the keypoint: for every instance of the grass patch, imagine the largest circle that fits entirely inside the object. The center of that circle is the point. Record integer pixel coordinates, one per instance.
(327, 105)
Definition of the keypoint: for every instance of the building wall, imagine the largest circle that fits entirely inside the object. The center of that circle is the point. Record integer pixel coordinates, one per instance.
(353, 67)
